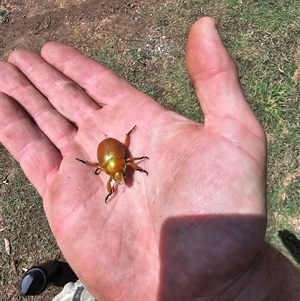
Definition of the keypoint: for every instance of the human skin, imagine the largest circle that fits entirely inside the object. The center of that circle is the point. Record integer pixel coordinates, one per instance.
(194, 228)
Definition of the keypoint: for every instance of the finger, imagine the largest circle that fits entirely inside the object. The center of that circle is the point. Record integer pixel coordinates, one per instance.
(57, 128)
(215, 78)
(122, 103)
(67, 97)
(38, 157)
(102, 84)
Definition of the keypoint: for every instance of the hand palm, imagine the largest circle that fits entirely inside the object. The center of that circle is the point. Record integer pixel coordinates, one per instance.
(198, 215)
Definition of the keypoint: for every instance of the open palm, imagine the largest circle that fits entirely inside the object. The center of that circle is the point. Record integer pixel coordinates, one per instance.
(193, 226)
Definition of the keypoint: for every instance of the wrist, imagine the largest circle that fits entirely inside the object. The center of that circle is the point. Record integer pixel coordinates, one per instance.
(271, 277)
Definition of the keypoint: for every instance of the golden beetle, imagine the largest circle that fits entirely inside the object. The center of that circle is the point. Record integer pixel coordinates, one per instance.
(112, 159)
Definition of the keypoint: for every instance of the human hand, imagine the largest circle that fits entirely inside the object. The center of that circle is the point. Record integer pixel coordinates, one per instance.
(194, 226)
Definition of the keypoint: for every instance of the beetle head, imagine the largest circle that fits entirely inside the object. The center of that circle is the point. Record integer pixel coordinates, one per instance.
(119, 177)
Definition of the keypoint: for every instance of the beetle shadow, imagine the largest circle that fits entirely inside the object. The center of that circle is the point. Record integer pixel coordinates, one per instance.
(130, 171)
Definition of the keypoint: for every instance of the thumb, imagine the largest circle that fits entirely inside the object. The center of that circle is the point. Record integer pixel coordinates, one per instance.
(216, 79)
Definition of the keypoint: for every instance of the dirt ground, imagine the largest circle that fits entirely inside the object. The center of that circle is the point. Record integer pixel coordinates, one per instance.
(83, 24)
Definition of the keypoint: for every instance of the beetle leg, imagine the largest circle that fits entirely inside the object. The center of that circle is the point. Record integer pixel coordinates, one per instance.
(109, 188)
(130, 162)
(136, 167)
(136, 158)
(98, 169)
(127, 139)
(88, 162)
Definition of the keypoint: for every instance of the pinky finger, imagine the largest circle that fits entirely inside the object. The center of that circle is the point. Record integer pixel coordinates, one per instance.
(36, 154)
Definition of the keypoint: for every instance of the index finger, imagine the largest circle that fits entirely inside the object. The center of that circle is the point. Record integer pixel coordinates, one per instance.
(100, 83)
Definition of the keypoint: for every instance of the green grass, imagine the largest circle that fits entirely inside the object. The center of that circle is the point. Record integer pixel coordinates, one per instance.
(4, 16)
(170, 79)
(162, 20)
(157, 66)
(264, 45)
(26, 205)
(263, 38)
(271, 105)
(25, 226)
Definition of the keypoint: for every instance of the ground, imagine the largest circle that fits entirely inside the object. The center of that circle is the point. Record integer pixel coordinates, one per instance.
(139, 39)
(33, 23)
